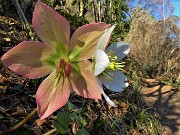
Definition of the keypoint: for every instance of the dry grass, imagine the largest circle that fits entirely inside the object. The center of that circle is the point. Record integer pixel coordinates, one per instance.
(154, 45)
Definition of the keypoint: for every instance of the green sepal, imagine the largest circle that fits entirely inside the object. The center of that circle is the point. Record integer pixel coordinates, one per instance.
(74, 53)
(61, 50)
(52, 59)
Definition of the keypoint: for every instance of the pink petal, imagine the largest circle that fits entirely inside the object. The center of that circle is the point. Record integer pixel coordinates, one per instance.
(85, 84)
(27, 59)
(84, 40)
(51, 95)
(51, 27)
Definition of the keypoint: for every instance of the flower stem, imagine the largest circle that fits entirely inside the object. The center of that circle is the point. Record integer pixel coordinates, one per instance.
(20, 123)
(51, 131)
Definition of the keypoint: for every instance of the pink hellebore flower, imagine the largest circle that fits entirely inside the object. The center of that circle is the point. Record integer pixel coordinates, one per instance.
(64, 58)
(107, 64)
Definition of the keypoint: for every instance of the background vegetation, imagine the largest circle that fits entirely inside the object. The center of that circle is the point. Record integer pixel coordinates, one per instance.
(150, 29)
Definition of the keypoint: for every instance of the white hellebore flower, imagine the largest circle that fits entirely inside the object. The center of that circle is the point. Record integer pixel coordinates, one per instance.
(107, 66)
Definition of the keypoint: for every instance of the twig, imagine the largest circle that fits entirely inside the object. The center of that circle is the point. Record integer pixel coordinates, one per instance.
(20, 123)
(19, 10)
(51, 131)
(9, 96)
(23, 17)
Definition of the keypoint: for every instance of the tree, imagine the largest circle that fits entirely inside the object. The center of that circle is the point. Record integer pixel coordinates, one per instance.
(160, 9)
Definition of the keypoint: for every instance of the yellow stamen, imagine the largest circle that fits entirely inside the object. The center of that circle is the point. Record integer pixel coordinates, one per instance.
(114, 65)
(113, 58)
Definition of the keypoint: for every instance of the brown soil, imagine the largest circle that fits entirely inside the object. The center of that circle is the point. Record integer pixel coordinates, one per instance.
(166, 101)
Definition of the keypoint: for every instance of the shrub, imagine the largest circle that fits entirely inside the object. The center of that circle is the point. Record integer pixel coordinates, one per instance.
(154, 44)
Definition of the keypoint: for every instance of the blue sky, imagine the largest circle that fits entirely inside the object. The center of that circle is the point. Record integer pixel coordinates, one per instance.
(176, 4)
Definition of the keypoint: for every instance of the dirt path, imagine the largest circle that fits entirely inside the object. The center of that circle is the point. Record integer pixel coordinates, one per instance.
(166, 101)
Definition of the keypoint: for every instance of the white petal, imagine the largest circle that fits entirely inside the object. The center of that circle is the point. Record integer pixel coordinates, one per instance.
(103, 41)
(126, 84)
(120, 48)
(99, 82)
(101, 62)
(118, 82)
(105, 96)
(108, 99)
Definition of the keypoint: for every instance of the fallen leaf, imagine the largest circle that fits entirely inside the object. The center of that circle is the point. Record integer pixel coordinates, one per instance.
(40, 122)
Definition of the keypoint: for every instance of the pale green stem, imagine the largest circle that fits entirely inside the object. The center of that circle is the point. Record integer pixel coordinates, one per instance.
(51, 131)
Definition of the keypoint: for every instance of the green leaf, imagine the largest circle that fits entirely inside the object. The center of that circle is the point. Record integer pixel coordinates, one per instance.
(1, 117)
(75, 116)
(83, 131)
(79, 119)
(98, 125)
(70, 105)
(82, 121)
(62, 122)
